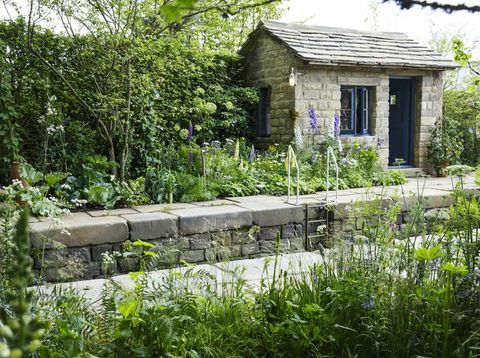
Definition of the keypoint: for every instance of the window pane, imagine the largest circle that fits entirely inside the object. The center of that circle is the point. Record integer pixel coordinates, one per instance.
(346, 98)
(366, 117)
(346, 120)
(263, 114)
(346, 105)
(359, 111)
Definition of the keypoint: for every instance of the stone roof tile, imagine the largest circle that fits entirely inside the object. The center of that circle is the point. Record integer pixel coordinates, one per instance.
(336, 46)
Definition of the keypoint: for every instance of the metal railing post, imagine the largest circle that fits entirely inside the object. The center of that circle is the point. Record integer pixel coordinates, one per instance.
(331, 156)
(291, 156)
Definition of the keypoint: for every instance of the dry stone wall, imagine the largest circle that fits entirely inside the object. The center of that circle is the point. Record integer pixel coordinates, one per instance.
(190, 233)
(243, 228)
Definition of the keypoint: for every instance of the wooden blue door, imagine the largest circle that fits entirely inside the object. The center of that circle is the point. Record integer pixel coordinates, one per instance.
(401, 120)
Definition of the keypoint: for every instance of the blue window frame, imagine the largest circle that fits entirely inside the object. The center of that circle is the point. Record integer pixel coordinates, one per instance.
(354, 110)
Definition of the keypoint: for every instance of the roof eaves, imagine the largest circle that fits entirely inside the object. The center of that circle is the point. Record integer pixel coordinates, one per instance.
(385, 65)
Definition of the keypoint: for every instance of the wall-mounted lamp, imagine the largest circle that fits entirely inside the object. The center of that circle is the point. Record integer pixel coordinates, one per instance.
(292, 79)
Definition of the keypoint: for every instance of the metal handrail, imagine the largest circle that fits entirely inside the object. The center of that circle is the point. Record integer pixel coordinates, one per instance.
(291, 156)
(331, 156)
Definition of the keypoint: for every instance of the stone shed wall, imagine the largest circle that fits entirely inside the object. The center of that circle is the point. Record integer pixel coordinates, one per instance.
(319, 88)
(269, 63)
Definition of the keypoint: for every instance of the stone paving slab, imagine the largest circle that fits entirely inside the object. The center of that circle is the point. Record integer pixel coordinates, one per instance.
(217, 202)
(223, 274)
(91, 290)
(113, 212)
(273, 213)
(199, 220)
(303, 200)
(163, 207)
(256, 269)
(255, 199)
(147, 226)
(79, 229)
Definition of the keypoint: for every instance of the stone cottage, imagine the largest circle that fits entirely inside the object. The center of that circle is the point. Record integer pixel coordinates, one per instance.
(385, 88)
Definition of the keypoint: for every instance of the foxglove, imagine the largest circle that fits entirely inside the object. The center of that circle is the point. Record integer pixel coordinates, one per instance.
(313, 118)
(190, 131)
(251, 156)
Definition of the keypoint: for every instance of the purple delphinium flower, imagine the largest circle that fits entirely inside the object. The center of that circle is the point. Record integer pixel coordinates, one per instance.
(313, 118)
(369, 302)
(190, 131)
(251, 156)
(336, 125)
(190, 156)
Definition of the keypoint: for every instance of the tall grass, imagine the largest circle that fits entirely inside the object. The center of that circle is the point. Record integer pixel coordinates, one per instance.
(383, 291)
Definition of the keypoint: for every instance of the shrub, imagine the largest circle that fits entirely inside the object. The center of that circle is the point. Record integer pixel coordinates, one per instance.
(463, 106)
(445, 143)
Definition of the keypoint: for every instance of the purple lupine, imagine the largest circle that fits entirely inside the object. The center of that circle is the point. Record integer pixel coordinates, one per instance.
(190, 131)
(336, 125)
(313, 118)
(251, 156)
(190, 156)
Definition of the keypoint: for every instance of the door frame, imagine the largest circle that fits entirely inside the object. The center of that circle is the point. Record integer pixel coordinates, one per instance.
(411, 131)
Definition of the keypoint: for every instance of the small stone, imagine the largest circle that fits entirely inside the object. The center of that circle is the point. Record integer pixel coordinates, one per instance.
(82, 253)
(211, 254)
(222, 238)
(93, 270)
(288, 231)
(51, 259)
(235, 251)
(128, 264)
(98, 250)
(269, 233)
(299, 230)
(200, 241)
(241, 237)
(272, 248)
(250, 248)
(193, 256)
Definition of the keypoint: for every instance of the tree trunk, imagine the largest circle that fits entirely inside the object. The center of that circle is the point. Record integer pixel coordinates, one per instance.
(126, 127)
(111, 155)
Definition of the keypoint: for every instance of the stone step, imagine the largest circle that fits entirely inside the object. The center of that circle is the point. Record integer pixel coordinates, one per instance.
(410, 172)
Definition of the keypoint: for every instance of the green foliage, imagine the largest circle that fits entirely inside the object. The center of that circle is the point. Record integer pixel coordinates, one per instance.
(382, 291)
(463, 57)
(189, 173)
(22, 330)
(9, 128)
(227, 27)
(34, 198)
(463, 106)
(445, 142)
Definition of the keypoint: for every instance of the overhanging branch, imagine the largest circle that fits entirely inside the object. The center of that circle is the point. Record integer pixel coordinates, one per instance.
(449, 8)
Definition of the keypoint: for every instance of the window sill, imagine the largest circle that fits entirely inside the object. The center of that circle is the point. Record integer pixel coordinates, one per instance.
(356, 135)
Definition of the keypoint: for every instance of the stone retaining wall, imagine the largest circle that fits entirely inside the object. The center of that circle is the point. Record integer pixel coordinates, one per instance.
(198, 233)
(202, 232)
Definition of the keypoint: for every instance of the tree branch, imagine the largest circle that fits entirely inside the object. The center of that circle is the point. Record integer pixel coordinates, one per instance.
(228, 10)
(449, 8)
